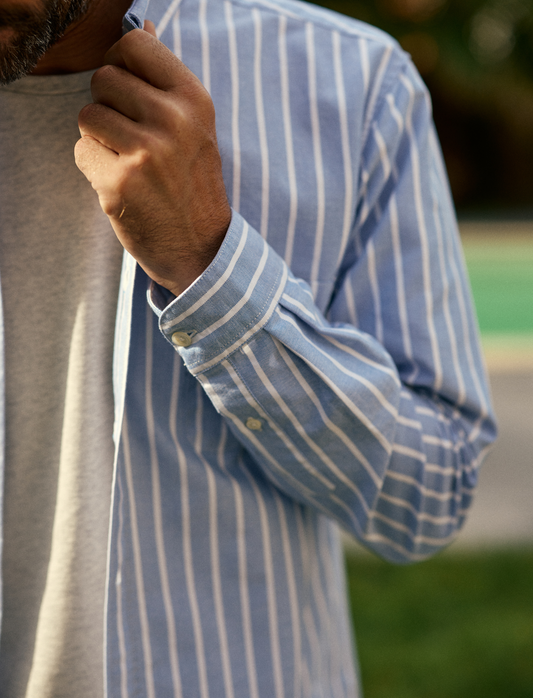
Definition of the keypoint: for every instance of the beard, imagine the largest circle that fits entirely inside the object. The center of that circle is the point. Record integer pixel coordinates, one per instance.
(34, 33)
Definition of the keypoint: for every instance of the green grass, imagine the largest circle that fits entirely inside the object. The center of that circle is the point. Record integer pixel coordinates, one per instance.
(457, 626)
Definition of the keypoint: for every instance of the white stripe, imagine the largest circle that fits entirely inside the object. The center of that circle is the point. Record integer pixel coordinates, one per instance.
(299, 428)
(370, 386)
(344, 24)
(261, 127)
(312, 315)
(319, 594)
(202, 21)
(219, 405)
(406, 422)
(443, 471)
(157, 512)
(443, 443)
(332, 592)
(235, 136)
(425, 491)
(423, 235)
(214, 547)
(429, 540)
(215, 563)
(360, 357)
(137, 564)
(186, 539)
(213, 290)
(395, 112)
(331, 426)
(244, 593)
(242, 302)
(427, 412)
(176, 35)
(345, 140)
(120, 613)
(273, 6)
(317, 152)
(365, 63)
(293, 594)
(383, 154)
(246, 336)
(243, 578)
(410, 452)
(374, 289)
(289, 145)
(376, 88)
(405, 552)
(396, 248)
(279, 432)
(400, 281)
(312, 637)
(365, 209)
(420, 515)
(446, 304)
(349, 295)
(173, 7)
(270, 585)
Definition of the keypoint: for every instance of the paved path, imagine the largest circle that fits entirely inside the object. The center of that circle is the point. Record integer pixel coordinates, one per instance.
(502, 513)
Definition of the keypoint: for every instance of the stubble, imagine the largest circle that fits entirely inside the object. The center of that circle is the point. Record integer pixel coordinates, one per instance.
(25, 36)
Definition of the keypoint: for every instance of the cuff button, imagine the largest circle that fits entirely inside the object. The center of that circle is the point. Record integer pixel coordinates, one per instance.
(254, 424)
(181, 339)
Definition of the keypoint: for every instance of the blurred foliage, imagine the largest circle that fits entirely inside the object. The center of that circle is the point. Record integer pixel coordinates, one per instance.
(456, 626)
(476, 57)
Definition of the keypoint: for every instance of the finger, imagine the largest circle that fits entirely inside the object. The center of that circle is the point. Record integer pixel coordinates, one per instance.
(143, 55)
(118, 89)
(149, 27)
(109, 127)
(95, 161)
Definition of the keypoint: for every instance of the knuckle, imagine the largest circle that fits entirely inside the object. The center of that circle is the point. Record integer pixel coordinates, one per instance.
(87, 114)
(131, 40)
(103, 76)
(141, 159)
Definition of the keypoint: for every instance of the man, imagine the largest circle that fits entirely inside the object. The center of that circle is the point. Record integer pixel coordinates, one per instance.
(304, 357)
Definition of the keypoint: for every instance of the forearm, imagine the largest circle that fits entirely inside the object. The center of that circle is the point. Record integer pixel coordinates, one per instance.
(321, 407)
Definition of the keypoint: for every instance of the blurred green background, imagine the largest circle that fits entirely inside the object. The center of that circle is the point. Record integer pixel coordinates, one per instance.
(461, 625)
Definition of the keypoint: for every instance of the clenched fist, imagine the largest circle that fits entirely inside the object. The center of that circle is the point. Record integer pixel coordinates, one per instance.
(148, 146)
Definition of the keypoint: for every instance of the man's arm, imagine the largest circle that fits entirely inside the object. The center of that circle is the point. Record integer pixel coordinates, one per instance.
(385, 435)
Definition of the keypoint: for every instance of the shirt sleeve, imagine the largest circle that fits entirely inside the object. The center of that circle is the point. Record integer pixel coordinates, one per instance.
(377, 413)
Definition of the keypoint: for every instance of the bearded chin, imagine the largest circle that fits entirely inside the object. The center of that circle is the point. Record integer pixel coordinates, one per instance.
(35, 36)
(21, 57)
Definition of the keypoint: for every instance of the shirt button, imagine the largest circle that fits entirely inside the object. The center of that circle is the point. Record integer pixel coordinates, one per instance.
(254, 424)
(181, 339)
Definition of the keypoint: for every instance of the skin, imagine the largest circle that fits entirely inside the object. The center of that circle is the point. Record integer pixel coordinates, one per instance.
(148, 143)
(150, 151)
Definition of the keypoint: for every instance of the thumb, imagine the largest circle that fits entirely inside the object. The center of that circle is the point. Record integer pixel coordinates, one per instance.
(149, 27)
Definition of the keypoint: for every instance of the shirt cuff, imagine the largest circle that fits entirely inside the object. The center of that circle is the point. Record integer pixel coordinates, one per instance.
(229, 303)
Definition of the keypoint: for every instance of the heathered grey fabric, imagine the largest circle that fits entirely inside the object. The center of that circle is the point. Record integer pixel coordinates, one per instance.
(60, 268)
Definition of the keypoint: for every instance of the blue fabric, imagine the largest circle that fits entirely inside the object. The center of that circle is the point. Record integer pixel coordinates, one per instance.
(333, 375)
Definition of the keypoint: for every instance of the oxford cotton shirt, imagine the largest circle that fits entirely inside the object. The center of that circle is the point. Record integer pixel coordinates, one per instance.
(324, 369)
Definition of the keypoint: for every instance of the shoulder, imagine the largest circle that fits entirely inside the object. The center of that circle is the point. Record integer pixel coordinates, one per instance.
(370, 60)
(294, 11)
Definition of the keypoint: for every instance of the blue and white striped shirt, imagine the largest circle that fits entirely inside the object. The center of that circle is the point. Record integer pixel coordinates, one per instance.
(324, 369)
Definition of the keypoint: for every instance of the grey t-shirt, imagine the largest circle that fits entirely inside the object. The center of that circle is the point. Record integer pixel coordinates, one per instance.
(60, 268)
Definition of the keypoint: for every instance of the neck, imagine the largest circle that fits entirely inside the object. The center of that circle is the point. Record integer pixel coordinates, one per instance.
(85, 43)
